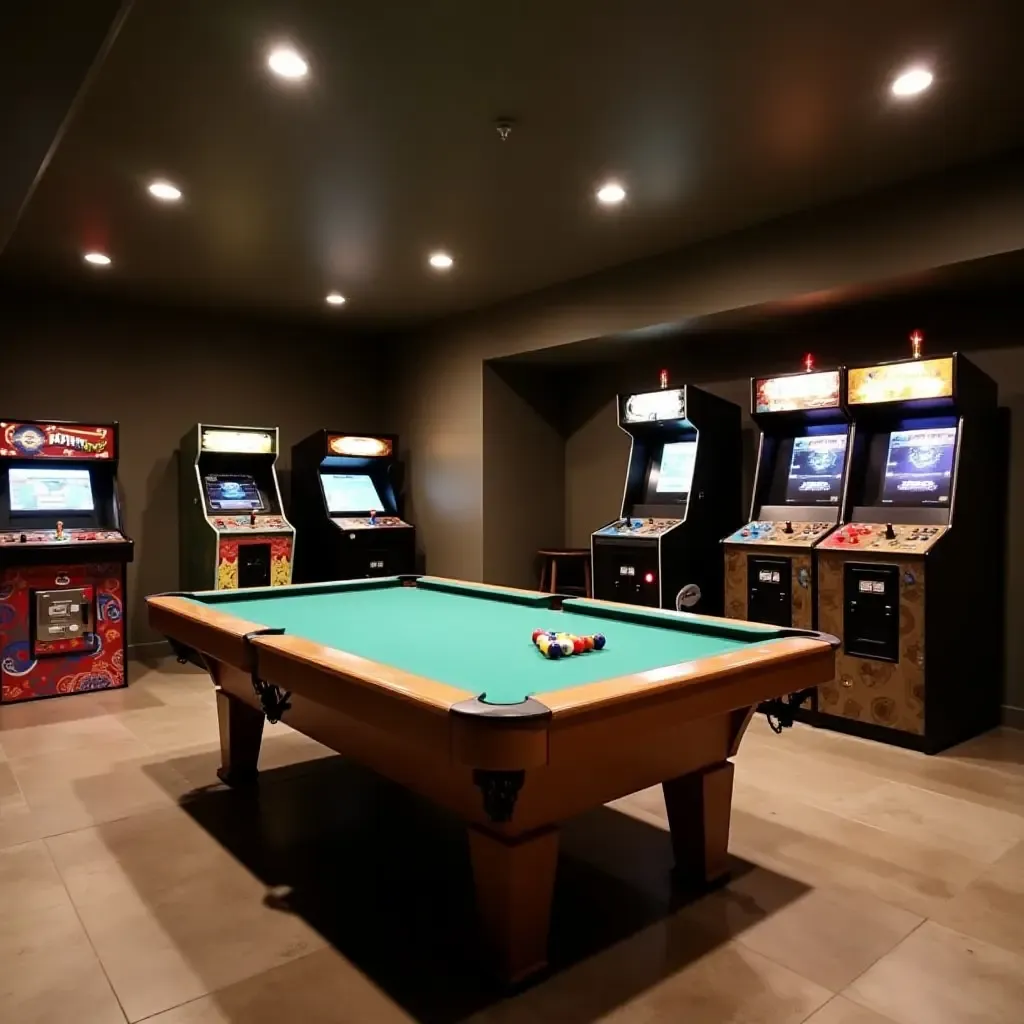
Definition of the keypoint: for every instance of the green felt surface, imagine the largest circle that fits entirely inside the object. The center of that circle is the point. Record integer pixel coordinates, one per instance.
(479, 639)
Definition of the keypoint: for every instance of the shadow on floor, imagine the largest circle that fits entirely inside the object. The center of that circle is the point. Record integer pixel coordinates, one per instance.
(384, 877)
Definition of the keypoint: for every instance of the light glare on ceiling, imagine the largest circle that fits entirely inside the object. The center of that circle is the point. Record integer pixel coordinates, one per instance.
(164, 191)
(611, 193)
(912, 82)
(441, 261)
(286, 62)
(335, 299)
(97, 259)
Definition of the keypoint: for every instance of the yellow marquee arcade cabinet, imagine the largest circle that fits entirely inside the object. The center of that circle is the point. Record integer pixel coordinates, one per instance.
(232, 529)
(683, 486)
(798, 497)
(912, 583)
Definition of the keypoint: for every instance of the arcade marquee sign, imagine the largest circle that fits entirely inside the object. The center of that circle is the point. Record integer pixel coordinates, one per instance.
(359, 447)
(908, 381)
(55, 441)
(797, 392)
(239, 440)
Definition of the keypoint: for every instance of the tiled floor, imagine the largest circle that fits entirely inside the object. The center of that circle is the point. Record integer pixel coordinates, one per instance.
(871, 885)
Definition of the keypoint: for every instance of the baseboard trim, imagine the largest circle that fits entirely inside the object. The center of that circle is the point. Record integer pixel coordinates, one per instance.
(153, 649)
(1013, 717)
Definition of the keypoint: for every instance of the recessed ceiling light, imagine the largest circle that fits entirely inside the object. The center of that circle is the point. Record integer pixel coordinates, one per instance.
(335, 299)
(286, 62)
(97, 259)
(912, 82)
(611, 193)
(441, 261)
(164, 191)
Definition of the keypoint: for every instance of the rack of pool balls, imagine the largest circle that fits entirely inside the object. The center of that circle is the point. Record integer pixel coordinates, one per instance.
(561, 645)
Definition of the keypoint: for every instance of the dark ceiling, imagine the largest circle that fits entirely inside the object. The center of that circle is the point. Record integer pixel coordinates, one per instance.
(715, 115)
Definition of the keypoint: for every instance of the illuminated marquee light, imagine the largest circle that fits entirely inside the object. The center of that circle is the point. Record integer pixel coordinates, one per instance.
(248, 442)
(359, 447)
(902, 382)
(653, 406)
(797, 392)
(55, 441)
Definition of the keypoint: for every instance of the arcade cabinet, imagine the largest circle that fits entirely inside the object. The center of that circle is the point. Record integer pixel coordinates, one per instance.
(682, 487)
(799, 490)
(912, 583)
(346, 506)
(231, 525)
(63, 559)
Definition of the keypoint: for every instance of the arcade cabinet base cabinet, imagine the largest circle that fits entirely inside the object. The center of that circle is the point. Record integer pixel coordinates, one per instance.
(63, 557)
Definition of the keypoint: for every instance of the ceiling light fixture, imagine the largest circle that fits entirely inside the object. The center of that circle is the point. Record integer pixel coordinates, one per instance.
(912, 82)
(97, 259)
(441, 261)
(611, 193)
(335, 299)
(286, 62)
(164, 191)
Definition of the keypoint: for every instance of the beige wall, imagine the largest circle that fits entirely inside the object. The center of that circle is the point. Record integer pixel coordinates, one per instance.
(523, 484)
(157, 375)
(439, 394)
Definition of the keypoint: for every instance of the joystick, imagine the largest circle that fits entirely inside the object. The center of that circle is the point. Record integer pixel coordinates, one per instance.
(890, 533)
(788, 527)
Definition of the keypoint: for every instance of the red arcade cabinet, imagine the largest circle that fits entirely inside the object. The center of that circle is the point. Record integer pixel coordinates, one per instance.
(63, 558)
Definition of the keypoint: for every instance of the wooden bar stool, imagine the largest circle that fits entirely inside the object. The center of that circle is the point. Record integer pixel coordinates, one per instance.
(550, 557)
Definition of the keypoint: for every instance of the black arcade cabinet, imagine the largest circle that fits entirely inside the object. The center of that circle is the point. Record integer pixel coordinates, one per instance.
(798, 497)
(683, 490)
(346, 508)
(912, 584)
(63, 560)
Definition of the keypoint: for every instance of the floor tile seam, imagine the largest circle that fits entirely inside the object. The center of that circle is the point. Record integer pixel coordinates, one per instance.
(85, 930)
(966, 800)
(212, 993)
(834, 888)
(846, 991)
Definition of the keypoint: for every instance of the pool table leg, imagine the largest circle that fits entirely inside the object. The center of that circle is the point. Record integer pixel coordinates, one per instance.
(515, 882)
(699, 806)
(241, 731)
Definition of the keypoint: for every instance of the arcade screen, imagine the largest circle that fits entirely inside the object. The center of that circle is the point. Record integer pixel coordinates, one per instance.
(672, 473)
(350, 492)
(232, 493)
(816, 470)
(46, 489)
(919, 466)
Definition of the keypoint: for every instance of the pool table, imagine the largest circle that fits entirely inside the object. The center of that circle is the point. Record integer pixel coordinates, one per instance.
(437, 685)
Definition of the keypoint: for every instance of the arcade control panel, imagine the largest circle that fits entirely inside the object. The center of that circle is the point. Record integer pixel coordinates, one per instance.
(65, 537)
(248, 522)
(368, 522)
(785, 534)
(628, 527)
(884, 537)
